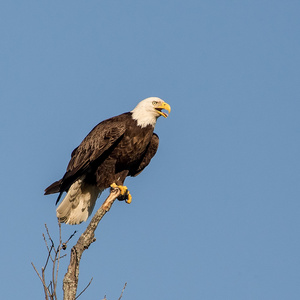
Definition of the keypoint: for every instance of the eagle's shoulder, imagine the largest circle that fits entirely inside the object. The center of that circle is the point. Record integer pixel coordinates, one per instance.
(114, 123)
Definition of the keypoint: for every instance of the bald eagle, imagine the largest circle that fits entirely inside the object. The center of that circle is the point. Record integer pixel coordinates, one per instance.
(116, 148)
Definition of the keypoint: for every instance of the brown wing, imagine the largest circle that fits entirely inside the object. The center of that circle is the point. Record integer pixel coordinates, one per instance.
(96, 146)
(150, 152)
(99, 140)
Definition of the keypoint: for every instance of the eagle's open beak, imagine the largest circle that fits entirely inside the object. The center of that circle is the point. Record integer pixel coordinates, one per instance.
(165, 106)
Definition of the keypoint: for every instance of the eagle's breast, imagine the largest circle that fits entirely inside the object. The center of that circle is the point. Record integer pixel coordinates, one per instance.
(133, 144)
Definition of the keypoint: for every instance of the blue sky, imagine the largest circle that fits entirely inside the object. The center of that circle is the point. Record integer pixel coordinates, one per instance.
(216, 213)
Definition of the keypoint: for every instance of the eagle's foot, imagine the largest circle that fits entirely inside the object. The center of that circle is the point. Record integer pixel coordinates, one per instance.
(125, 195)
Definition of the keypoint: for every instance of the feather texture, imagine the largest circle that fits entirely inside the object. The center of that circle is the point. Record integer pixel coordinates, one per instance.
(79, 202)
(114, 149)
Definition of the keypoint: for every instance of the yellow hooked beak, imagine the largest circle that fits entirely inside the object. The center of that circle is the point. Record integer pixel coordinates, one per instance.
(164, 106)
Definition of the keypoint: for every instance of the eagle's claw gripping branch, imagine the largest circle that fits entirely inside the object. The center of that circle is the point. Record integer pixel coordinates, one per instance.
(124, 193)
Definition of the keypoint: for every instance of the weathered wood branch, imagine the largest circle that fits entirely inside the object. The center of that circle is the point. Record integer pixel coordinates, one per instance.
(70, 281)
(53, 256)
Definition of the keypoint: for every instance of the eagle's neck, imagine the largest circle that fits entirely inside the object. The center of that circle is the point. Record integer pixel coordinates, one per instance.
(143, 118)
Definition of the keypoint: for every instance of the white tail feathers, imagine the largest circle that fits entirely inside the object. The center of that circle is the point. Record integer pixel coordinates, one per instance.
(78, 204)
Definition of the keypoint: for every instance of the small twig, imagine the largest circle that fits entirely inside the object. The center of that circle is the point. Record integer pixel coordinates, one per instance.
(55, 256)
(71, 236)
(123, 291)
(84, 289)
(46, 243)
(46, 290)
(49, 236)
(64, 245)
(53, 274)
(50, 288)
(49, 252)
(52, 247)
(43, 282)
(56, 259)
(62, 256)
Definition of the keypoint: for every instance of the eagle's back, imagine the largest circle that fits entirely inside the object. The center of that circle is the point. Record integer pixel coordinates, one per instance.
(112, 150)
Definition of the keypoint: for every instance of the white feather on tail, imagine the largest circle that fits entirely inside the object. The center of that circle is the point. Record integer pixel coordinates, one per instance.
(79, 202)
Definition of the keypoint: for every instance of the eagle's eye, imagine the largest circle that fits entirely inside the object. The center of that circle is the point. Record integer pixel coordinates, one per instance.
(154, 102)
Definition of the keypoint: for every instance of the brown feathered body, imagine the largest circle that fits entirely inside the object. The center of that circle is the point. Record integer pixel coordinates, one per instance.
(116, 148)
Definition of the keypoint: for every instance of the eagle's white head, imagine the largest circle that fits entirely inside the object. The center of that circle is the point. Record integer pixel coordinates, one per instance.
(148, 110)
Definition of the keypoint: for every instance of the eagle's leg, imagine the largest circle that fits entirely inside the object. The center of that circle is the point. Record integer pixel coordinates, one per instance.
(125, 195)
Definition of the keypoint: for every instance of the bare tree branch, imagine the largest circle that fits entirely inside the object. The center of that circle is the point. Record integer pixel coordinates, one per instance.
(123, 291)
(55, 255)
(49, 251)
(70, 281)
(84, 289)
(46, 290)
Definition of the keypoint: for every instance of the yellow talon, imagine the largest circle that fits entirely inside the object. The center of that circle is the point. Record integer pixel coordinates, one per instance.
(129, 199)
(123, 189)
(124, 192)
(114, 186)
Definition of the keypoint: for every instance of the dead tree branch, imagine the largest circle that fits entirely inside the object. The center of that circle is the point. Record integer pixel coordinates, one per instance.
(123, 291)
(54, 254)
(70, 281)
(84, 289)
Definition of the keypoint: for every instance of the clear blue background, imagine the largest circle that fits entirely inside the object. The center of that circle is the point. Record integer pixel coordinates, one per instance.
(216, 213)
